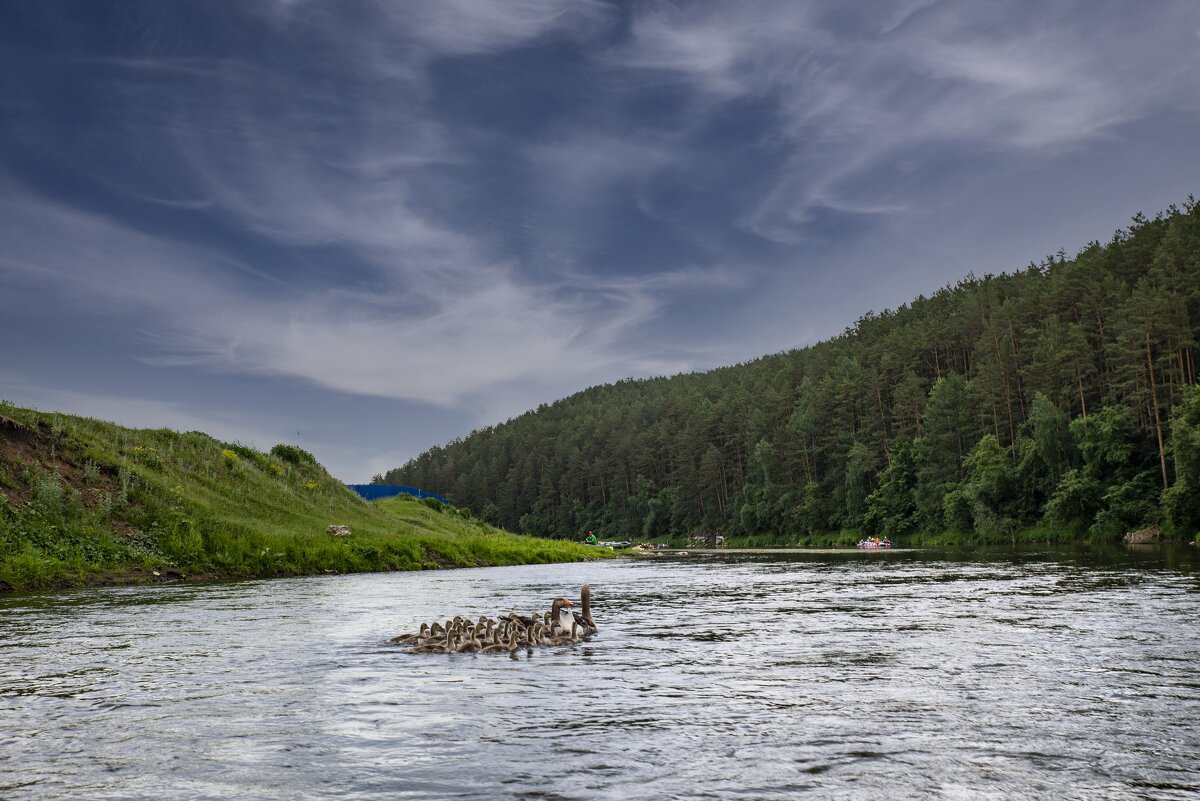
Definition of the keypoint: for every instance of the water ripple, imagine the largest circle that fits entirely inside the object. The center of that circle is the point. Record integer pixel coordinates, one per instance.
(898, 676)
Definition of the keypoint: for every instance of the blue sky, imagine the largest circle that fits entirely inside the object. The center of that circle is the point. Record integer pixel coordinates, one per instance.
(370, 227)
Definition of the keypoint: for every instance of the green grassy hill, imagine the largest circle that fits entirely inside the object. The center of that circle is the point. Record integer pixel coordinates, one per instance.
(87, 502)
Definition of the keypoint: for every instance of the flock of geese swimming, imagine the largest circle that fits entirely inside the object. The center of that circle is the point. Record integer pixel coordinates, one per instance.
(559, 626)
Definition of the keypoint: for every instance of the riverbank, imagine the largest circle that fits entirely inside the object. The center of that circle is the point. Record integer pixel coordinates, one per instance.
(1042, 534)
(85, 502)
(771, 551)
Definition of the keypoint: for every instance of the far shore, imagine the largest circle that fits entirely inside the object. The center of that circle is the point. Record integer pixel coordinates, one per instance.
(718, 551)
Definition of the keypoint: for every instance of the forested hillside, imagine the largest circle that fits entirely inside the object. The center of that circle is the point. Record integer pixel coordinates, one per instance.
(1061, 396)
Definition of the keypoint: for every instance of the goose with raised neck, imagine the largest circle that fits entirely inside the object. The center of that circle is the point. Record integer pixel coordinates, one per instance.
(587, 625)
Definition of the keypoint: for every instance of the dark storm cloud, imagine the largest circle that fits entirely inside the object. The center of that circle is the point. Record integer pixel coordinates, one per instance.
(453, 211)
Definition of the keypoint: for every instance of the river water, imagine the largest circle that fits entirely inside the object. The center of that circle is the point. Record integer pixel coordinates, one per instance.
(854, 676)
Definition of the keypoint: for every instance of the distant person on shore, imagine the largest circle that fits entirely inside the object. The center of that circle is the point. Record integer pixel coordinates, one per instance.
(591, 539)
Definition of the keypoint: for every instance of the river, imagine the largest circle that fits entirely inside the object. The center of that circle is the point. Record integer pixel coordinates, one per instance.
(850, 676)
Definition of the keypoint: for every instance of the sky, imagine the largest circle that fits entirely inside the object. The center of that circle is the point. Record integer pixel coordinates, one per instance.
(370, 227)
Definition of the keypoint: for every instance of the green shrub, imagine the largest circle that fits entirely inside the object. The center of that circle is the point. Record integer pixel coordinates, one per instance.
(293, 455)
(244, 451)
(147, 455)
(1128, 506)
(184, 544)
(29, 569)
(957, 510)
(1077, 497)
(48, 494)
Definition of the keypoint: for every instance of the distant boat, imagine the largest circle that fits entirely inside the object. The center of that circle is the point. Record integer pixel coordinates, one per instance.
(873, 543)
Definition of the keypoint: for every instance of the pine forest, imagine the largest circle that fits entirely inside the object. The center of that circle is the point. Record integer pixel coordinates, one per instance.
(1056, 402)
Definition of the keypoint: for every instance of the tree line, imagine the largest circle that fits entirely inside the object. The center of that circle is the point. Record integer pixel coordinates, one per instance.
(1062, 396)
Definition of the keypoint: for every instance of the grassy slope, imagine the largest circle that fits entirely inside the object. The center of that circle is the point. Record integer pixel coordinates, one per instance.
(83, 501)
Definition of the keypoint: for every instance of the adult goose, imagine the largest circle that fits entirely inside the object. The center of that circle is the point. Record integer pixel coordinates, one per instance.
(561, 620)
(587, 626)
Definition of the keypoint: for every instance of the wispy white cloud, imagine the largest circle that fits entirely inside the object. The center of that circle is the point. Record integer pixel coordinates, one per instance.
(726, 51)
(373, 270)
(905, 84)
(456, 27)
(475, 26)
(422, 344)
(576, 168)
(444, 317)
(429, 310)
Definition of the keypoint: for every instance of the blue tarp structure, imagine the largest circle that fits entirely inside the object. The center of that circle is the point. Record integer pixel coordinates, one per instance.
(373, 492)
